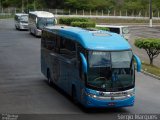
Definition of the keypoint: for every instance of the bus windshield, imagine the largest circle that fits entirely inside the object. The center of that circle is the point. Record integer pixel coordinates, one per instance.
(24, 18)
(42, 22)
(110, 71)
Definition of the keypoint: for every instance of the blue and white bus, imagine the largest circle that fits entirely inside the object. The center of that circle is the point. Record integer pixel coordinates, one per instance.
(38, 20)
(96, 68)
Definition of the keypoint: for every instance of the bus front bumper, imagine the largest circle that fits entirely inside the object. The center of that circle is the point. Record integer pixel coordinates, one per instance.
(23, 26)
(38, 33)
(109, 101)
(92, 102)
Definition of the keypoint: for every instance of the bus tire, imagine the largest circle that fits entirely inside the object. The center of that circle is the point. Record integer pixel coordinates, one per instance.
(49, 78)
(74, 95)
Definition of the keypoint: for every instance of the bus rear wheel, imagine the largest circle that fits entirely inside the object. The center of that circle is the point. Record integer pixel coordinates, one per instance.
(49, 78)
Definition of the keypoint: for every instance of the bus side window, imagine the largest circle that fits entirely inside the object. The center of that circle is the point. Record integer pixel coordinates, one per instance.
(43, 39)
(48, 40)
(57, 43)
(68, 48)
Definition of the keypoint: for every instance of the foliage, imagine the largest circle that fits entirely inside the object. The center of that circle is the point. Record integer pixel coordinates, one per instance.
(68, 21)
(83, 24)
(89, 4)
(26, 3)
(102, 28)
(151, 46)
(132, 6)
(54, 4)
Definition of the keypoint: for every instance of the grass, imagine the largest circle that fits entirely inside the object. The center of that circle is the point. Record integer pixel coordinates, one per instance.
(151, 69)
(121, 20)
(6, 16)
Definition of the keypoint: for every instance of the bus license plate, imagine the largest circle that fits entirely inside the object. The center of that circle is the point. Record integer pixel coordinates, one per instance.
(112, 104)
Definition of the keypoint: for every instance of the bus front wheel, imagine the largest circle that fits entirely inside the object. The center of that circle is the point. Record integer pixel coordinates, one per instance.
(74, 95)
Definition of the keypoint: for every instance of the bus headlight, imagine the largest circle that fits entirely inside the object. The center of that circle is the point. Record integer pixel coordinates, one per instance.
(91, 95)
(129, 95)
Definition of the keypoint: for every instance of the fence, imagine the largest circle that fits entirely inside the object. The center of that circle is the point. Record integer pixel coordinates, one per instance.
(126, 13)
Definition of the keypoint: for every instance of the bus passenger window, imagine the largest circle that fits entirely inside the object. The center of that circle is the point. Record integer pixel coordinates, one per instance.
(57, 43)
(68, 48)
(50, 41)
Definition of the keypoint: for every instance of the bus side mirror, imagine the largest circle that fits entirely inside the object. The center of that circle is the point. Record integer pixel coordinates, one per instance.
(84, 63)
(138, 61)
(36, 20)
(55, 21)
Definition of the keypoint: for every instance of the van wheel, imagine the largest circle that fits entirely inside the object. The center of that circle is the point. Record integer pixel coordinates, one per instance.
(49, 78)
(74, 95)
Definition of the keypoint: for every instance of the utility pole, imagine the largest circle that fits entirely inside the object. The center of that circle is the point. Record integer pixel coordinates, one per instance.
(150, 13)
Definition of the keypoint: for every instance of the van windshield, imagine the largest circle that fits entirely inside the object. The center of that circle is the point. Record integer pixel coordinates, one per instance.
(115, 30)
(24, 18)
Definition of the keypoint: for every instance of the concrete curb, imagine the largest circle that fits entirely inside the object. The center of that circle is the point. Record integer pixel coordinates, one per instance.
(150, 74)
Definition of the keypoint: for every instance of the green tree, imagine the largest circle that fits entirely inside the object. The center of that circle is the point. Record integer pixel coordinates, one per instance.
(133, 6)
(89, 4)
(151, 46)
(54, 4)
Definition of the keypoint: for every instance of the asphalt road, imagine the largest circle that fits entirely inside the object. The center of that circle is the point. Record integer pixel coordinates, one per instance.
(23, 89)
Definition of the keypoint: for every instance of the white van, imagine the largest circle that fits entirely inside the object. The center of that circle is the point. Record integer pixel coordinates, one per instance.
(122, 30)
(21, 21)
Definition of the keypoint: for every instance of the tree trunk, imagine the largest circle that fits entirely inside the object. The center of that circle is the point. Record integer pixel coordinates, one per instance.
(151, 60)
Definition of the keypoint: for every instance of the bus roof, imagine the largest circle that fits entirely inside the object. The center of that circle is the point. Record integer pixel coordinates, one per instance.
(21, 14)
(111, 26)
(42, 14)
(92, 40)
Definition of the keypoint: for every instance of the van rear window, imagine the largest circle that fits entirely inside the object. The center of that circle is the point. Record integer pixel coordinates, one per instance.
(115, 30)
